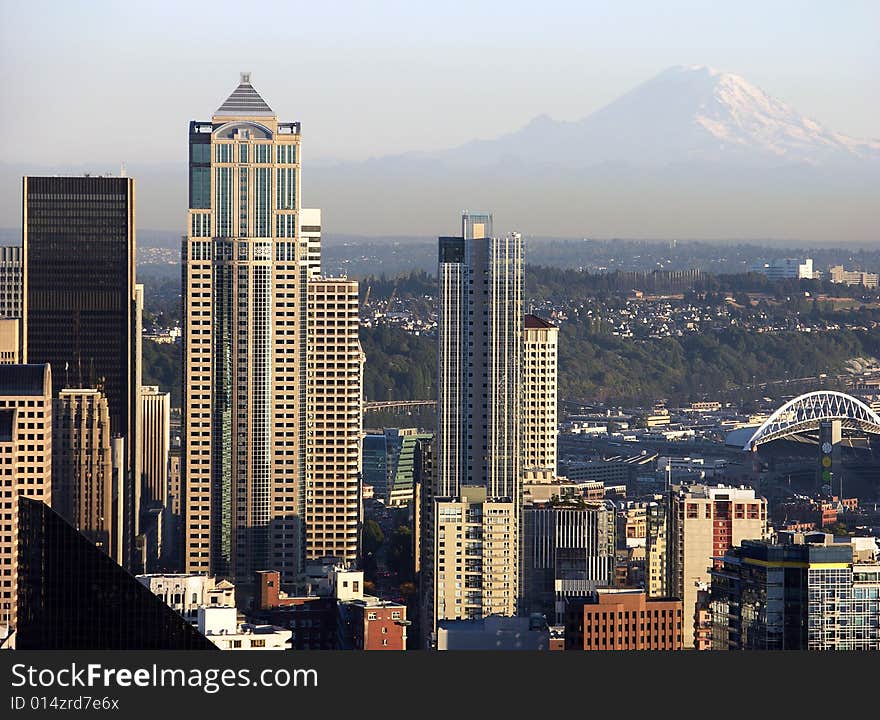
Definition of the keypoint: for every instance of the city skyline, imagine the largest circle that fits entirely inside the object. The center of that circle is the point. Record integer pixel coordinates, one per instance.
(618, 454)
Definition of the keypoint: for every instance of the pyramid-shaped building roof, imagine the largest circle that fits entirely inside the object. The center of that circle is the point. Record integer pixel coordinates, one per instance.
(245, 102)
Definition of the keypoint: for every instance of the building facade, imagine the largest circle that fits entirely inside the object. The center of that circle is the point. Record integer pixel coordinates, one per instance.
(613, 619)
(244, 292)
(801, 592)
(334, 415)
(11, 300)
(474, 557)
(58, 610)
(26, 457)
(154, 449)
(539, 420)
(686, 529)
(478, 445)
(83, 491)
(837, 274)
(10, 341)
(568, 552)
(80, 301)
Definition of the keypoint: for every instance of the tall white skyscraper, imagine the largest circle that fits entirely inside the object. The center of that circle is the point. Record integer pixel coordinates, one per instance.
(243, 424)
(474, 522)
(480, 336)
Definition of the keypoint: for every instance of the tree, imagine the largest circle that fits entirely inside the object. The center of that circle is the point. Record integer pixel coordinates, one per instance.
(373, 537)
(401, 553)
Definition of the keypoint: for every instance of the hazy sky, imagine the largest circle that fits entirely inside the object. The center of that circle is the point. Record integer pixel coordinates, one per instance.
(99, 82)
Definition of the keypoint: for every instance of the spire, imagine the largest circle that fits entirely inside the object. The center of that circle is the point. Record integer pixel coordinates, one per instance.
(244, 101)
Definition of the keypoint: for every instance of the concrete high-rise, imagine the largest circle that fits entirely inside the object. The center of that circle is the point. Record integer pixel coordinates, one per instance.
(80, 301)
(26, 461)
(154, 448)
(334, 412)
(11, 281)
(701, 522)
(82, 466)
(477, 495)
(480, 338)
(244, 294)
(539, 421)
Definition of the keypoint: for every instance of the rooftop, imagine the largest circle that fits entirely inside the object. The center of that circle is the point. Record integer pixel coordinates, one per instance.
(22, 379)
(536, 323)
(245, 101)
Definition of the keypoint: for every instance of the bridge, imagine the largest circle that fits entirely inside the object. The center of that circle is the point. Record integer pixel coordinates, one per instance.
(396, 404)
(807, 412)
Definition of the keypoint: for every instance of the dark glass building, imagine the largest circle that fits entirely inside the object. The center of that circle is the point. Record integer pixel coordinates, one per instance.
(803, 592)
(80, 300)
(71, 596)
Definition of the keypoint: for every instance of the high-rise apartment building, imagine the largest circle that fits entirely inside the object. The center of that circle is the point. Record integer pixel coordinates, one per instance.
(475, 516)
(244, 293)
(539, 420)
(334, 367)
(475, 550)
(80, 300)
(801, 592)
(701, 523)
(11, 281)
(25, 466)
(479, 333)
(82, 466)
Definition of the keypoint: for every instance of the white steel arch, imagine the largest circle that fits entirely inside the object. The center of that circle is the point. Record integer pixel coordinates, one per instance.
(807, 411)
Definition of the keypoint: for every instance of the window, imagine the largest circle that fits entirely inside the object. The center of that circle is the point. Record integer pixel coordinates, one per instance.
(371, 616)
(235, 643)
(258, 643)
(384, 642)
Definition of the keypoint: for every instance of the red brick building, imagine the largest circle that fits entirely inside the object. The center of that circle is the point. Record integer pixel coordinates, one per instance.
(615, 619)
(377, 625)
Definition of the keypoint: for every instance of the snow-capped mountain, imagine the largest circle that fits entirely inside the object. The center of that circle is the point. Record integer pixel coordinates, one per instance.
(686, 113)
(693, 152)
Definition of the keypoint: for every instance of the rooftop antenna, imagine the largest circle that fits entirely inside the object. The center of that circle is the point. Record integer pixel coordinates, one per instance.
(122, 169)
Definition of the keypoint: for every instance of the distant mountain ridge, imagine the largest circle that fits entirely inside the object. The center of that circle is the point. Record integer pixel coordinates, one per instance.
(691, 153)
(686, 113)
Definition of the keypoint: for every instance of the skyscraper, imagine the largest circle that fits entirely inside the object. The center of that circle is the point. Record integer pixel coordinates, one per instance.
(477, 497)
(480, 336)
(334, 362)
(80, 301)
(10, 282)
(700, 522)
(154, 449)
(82, 466)
(26, 459)
(244, 291)
(540, 340)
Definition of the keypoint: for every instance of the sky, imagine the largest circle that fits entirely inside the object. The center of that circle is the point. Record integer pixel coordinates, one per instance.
(99, 82)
